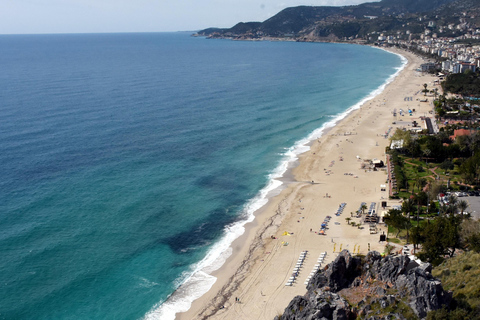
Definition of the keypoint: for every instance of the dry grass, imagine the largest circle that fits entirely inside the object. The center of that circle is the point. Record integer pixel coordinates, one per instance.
(461, 274)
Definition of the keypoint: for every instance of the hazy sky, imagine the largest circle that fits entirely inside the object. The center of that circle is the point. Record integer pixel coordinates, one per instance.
(85, 16)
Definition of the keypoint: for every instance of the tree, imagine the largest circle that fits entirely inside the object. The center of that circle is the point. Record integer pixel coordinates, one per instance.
(426, 152)
(447, 165)
(462, 205)
(450, 207)
(408, 207)
(470, 169)
(432, 207)
(441, 239)
(420, 182)
(434, 188)
(364, 207)
(425, 90)
(348, 220)
(395, 219)
(417, 236)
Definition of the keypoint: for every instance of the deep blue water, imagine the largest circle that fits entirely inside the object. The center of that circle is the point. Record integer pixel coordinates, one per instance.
(124, 156)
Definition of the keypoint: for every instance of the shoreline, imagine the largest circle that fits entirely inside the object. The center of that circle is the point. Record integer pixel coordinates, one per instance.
(252, 251)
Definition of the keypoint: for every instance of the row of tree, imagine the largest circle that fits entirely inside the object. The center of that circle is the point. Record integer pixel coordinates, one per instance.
(441, 230)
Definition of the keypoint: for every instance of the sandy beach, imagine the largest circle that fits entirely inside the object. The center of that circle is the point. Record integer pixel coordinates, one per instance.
(251, 284)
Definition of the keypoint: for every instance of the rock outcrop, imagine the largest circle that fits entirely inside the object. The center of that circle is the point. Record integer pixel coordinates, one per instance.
(371, 287)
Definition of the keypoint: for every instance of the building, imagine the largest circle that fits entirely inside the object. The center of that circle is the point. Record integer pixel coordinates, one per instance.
(460, 132)
(427, 66)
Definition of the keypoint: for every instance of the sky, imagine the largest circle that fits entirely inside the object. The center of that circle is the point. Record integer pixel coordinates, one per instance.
(93, 16)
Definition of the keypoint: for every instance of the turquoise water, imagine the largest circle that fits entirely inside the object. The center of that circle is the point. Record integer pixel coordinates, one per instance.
(127, 158)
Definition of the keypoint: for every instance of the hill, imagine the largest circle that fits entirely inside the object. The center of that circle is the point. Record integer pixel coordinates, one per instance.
(360, 22)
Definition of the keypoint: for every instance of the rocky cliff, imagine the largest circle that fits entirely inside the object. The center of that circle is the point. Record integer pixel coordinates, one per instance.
(371, 287)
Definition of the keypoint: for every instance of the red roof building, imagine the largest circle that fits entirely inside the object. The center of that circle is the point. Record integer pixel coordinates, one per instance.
(460, 132)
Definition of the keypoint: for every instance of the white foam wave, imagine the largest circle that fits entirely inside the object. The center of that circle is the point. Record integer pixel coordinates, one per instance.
(199, 280)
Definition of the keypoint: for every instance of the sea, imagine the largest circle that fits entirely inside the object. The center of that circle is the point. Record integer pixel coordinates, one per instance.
(131, 161)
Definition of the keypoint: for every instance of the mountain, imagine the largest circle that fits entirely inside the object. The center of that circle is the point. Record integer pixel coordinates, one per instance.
(308, 23)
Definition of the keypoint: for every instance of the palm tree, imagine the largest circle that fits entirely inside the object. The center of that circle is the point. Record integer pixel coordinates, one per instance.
(423, 183)
(452, 205)
(452, 199)
(364, 207)
(348, 220)
(425, 90)
(408, 207)
(462, 205)
(426, 153)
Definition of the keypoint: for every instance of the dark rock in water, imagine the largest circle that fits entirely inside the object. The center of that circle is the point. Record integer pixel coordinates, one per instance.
(372, 287)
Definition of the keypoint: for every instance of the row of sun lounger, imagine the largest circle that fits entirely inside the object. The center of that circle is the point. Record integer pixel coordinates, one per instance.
(316, 267)
(324, 224)
(296, 269)
(340, 208)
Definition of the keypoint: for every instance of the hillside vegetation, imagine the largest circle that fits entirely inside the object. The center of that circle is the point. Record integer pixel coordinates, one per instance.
(360, 22)
(461, 275)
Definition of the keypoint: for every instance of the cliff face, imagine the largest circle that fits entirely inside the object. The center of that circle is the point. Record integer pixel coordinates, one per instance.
(371, 287)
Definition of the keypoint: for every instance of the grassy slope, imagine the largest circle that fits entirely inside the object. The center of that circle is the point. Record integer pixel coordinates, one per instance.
(461, 274)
